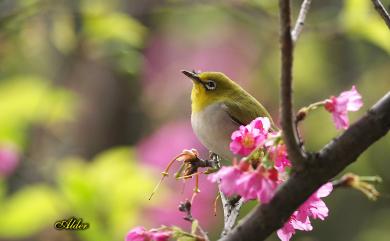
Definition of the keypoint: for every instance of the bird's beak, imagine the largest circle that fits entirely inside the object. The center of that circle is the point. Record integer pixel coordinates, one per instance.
(192, 75)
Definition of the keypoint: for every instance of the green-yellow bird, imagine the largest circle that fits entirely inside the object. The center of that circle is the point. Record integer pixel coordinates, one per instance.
(219, 107)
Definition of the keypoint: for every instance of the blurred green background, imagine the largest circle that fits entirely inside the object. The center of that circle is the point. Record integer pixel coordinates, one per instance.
(93, 106)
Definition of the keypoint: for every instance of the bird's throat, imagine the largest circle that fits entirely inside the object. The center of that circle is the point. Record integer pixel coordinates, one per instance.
(200, 99)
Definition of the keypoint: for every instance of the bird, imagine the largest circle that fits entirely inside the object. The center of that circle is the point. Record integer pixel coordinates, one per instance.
(219, 107)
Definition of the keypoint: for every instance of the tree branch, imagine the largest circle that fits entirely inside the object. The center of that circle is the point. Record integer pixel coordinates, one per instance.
(319, 167)
(231, 210)
(331, 160)
(382, 11)
(300, 20)
(296, 154)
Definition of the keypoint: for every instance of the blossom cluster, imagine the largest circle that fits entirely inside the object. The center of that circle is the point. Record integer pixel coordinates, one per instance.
(264, 167)
(251, 178)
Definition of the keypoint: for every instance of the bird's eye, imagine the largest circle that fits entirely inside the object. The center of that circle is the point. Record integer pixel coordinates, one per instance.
(210, 85)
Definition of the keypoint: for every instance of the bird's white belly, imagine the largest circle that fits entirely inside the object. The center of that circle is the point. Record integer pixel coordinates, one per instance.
(214, 127)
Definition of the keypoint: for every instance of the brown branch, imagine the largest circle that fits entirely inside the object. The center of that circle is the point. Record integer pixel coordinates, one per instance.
(382, 11)
(296, 154)
(330, 161)
(300, 20)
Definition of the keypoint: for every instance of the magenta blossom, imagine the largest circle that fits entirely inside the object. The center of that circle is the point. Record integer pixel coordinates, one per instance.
(250, 184)
(248, 137)
(313, 207)
(294, 223)
(257, 184)
(339, 106)
(141, 234)
(228, 176)
(279, 155)
(138, 234)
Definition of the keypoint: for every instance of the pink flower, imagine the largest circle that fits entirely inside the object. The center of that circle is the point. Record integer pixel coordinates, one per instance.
(138, 234)
(294, 223)
(313, 207)
(228, 176)
(257, 184)
(141, 234)
(248, 137)
(9, 159)
(249, 184)
(160, 235)
(286, 232)
(279, 155)
(339, 106)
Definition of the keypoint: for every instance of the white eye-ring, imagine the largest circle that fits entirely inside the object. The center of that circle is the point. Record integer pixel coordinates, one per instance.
(210, 85)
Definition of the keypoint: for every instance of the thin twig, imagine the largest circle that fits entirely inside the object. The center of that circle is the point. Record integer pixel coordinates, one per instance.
(294, 149)
(364, 184)
(300, 20)
(231, 210)
(382, 11)
(185, 207)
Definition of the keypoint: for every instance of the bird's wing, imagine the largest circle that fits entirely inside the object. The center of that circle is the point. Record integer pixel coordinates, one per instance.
(243, 114)
(239, 113)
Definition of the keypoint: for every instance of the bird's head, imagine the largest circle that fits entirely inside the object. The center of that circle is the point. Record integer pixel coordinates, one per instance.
(209, 88)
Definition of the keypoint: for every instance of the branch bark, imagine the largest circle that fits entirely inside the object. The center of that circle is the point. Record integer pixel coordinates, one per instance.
(231, 210)
(300, 20)
(326, 164)
(295, 152)
(382, 11)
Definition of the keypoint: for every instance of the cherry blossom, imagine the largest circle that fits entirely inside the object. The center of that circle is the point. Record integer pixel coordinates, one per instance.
(248, 137)
(339, 106)
(313, 207)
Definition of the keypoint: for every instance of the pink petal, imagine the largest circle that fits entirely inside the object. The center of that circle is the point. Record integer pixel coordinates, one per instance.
(302, 224)
(319, 210)
(236, 135)
(340, 120)
(324, 190)
(161, 236)
(228, 177)
(247, 185)
(235, 147)
(355, 100)
(137, 234)
(286, 232)
(265, 194)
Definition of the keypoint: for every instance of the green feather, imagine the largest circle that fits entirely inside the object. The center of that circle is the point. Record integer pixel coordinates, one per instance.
(239, 104)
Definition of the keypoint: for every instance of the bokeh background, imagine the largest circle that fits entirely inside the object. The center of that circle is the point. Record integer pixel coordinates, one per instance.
(93, 106)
